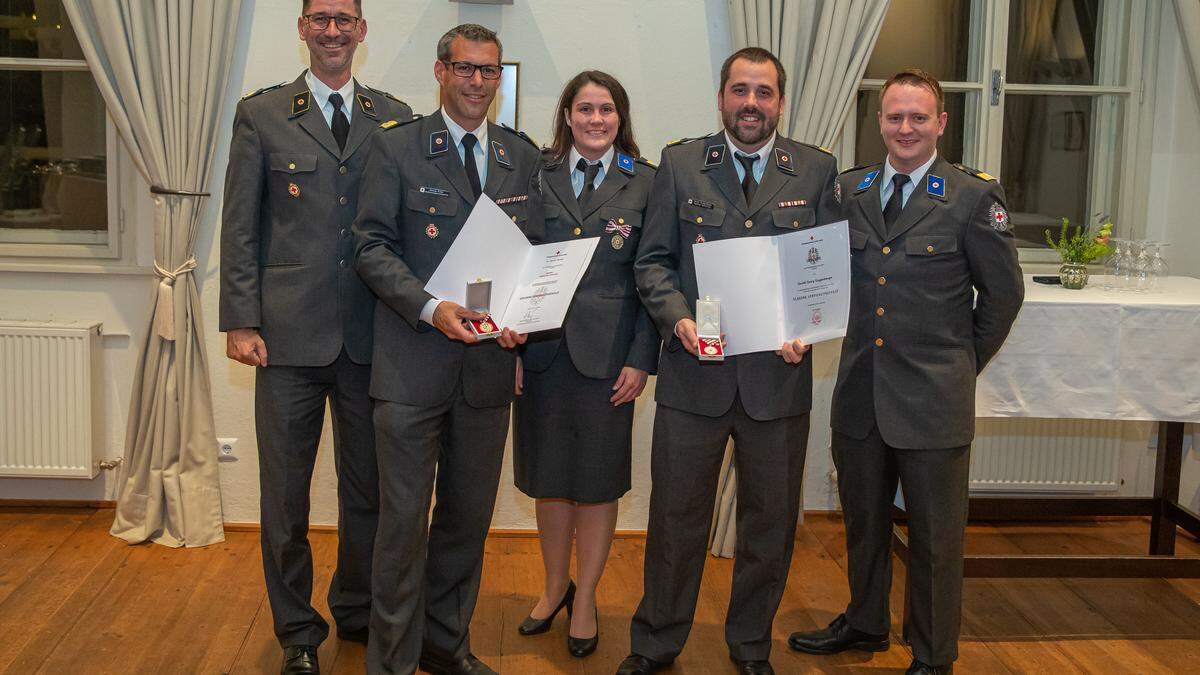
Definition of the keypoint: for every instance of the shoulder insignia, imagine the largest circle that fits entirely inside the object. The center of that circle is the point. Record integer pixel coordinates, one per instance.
(681, 141)
(643, 160)
(524, 136)
(389, 124)
(263, 90)
(392, 124)
(385, 95)
(625, 163)
(858, 168)
(817, 147)
(974, 172)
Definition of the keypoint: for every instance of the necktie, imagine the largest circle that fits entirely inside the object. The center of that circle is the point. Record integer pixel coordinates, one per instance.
(895, 203)
(590, 171)
(340, 125)
(749, 185)
(468, 143)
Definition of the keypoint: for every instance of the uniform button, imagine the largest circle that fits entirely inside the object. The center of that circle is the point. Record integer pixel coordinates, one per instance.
(342, 262)
(342, 170)
(795, 223)
(577, 231)
(620, 221)
(291, 165)
(342, 200)
(433, 209)
(749, 224)
(879, 311)
(882, 281)
(699, 219)
(344, 232)
(887, 250)
(929, 249)
(878, 342)
(514, 219)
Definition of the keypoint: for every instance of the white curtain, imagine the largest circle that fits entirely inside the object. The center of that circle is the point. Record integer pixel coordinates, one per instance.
(1188, 14)
(824, 46)
(163, 67)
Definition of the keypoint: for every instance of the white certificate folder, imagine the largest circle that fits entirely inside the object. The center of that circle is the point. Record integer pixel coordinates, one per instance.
(532, 286)
(780, 288)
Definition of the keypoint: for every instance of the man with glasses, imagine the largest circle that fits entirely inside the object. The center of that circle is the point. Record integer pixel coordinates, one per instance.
(293, 307)
(441, 397)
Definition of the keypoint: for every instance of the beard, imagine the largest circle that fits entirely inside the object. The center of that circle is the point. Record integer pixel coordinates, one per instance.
(766, 127)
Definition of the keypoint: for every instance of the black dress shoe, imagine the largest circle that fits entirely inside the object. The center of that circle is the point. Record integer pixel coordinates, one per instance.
(838, 637)
(359, 635)
(468, 665)
(300, 660)
(636, 664)
(532, 626)
(922, 668)
(753, 667)
(581, 647)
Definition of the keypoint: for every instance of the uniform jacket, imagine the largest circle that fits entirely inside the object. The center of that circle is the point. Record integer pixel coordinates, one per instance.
(290, 198)
(414, 199)
(607, 326)
(696, 194)
(918, 336)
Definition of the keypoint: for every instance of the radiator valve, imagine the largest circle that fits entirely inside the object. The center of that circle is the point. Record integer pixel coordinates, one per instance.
(111, 464)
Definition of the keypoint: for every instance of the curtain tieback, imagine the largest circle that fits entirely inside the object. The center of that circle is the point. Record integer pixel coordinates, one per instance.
(159, 190)
(164, 310)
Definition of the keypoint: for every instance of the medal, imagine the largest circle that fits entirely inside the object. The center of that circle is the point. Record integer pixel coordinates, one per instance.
(431, 231)
(293, 189)
(699, 239)
(485, 327)
(710, 350)
(617, 242)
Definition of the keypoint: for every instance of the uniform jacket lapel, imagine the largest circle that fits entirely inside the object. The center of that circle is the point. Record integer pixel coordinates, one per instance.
(446, 160)
(723, 174)
(867, 202)
(311, 119)
(919, 202)
(362, 122)
(772, 182)
(497, 171)
(614, 180)
(558, 177)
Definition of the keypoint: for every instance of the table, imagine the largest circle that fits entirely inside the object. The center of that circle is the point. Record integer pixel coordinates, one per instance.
(1097, 354)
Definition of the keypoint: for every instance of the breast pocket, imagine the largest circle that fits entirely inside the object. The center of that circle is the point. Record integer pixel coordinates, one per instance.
(430, 204)
(930, 246)
(794, 217)
(293, 177)
(701, 216)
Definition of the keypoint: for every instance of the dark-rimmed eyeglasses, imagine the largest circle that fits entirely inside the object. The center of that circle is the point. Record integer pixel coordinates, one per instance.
(344, 22)
(466, 69)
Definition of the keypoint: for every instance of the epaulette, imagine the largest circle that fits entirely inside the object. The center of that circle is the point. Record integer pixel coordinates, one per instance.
(860, 166)
(385, 95)
(263, 90)
(681, 141)
(392, 124)
(523, 135)
(817, 147)
(975, 172)
(643, 160)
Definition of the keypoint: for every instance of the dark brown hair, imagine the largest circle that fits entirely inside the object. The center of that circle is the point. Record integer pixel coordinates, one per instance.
(562, 133)
(357, 6)
(471, 32)
(753, 55)
(917, 78)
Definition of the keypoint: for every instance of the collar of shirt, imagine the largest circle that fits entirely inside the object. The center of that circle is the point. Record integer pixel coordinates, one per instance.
(760, 166)
(321, 92)
(577, 175)
(914, 179)
(481, 134)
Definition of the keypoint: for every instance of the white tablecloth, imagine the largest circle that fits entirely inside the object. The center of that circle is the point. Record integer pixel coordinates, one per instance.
(1096, 354)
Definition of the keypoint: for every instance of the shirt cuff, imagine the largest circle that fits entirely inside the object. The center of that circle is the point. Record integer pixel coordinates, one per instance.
(427, 310)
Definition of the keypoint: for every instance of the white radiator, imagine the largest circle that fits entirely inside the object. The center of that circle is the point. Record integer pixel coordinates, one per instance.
(51, 424)
(1025, 454)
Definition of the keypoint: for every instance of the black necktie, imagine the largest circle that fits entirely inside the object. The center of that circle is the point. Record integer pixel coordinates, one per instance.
(895, 203)
(340, 125)
(749, 185)
(590, 172)
(468, 143)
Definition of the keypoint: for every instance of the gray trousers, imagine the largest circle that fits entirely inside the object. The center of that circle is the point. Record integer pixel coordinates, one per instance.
(427, 572)
(685, 466)
(935, 498)
(289, 408)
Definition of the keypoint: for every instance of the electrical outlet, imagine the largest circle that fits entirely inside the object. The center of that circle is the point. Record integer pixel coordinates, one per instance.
(227, 449)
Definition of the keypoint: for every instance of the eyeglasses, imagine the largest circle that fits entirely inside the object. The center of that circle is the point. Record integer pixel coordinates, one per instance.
(467, 69)
(344, 22)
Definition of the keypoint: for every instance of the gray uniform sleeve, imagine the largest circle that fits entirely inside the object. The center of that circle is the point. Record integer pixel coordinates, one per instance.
(241, 305)
(378, 247)
(996, 275)
(829, 209)
(656, 269)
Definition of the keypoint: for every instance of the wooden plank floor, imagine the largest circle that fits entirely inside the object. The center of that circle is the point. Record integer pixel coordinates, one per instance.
(74, 600)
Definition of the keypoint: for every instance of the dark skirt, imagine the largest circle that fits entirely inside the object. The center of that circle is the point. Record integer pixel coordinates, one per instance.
(569, 442)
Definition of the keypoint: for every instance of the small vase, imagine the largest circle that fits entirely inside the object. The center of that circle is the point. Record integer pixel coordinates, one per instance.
(1073, 275)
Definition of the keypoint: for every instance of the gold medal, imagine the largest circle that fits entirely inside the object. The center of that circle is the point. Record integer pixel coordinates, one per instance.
(485, 327)
(617, 242)
(293, 189)
(431, 231)
(710, 350)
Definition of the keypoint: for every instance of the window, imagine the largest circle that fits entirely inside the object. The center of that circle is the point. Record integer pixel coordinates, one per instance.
(1045, 94)
(56, 142)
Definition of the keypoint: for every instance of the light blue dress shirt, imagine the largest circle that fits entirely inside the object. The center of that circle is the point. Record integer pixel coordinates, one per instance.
(760, 166)
(577, 175)
(321, 92)
(914, 179)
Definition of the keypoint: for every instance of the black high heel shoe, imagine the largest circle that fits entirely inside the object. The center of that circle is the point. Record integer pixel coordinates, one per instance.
(532, 626)
(581, 647)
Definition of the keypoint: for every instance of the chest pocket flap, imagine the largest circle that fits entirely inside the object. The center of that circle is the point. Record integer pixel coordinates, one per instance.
(698, 215)
(858, 239)
(620, 216)
(930, 245)
(292, 163)
(431, 204)
(551, 211)
(794, 217)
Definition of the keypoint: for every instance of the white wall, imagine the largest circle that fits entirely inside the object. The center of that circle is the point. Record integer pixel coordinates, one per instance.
(667, 53)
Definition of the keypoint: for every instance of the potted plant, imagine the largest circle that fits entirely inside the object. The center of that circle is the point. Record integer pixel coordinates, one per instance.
(1078, 249)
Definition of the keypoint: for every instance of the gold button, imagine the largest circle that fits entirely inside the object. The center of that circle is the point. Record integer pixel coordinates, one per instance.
(343, 200)
(882, 281)
(433, 209)
(342, 170)
(795, 223)
(749, 224)
(291, 165)
(620, 221)
(929, 249)
(878, 342)
(887, 250)
(578, 231)
(514, 219)
(879, 311)
(699, 219)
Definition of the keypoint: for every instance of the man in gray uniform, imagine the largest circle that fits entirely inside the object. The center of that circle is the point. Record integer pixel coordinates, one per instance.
(925, 237)
(442, 398)
(743, 181)
(293, 306)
